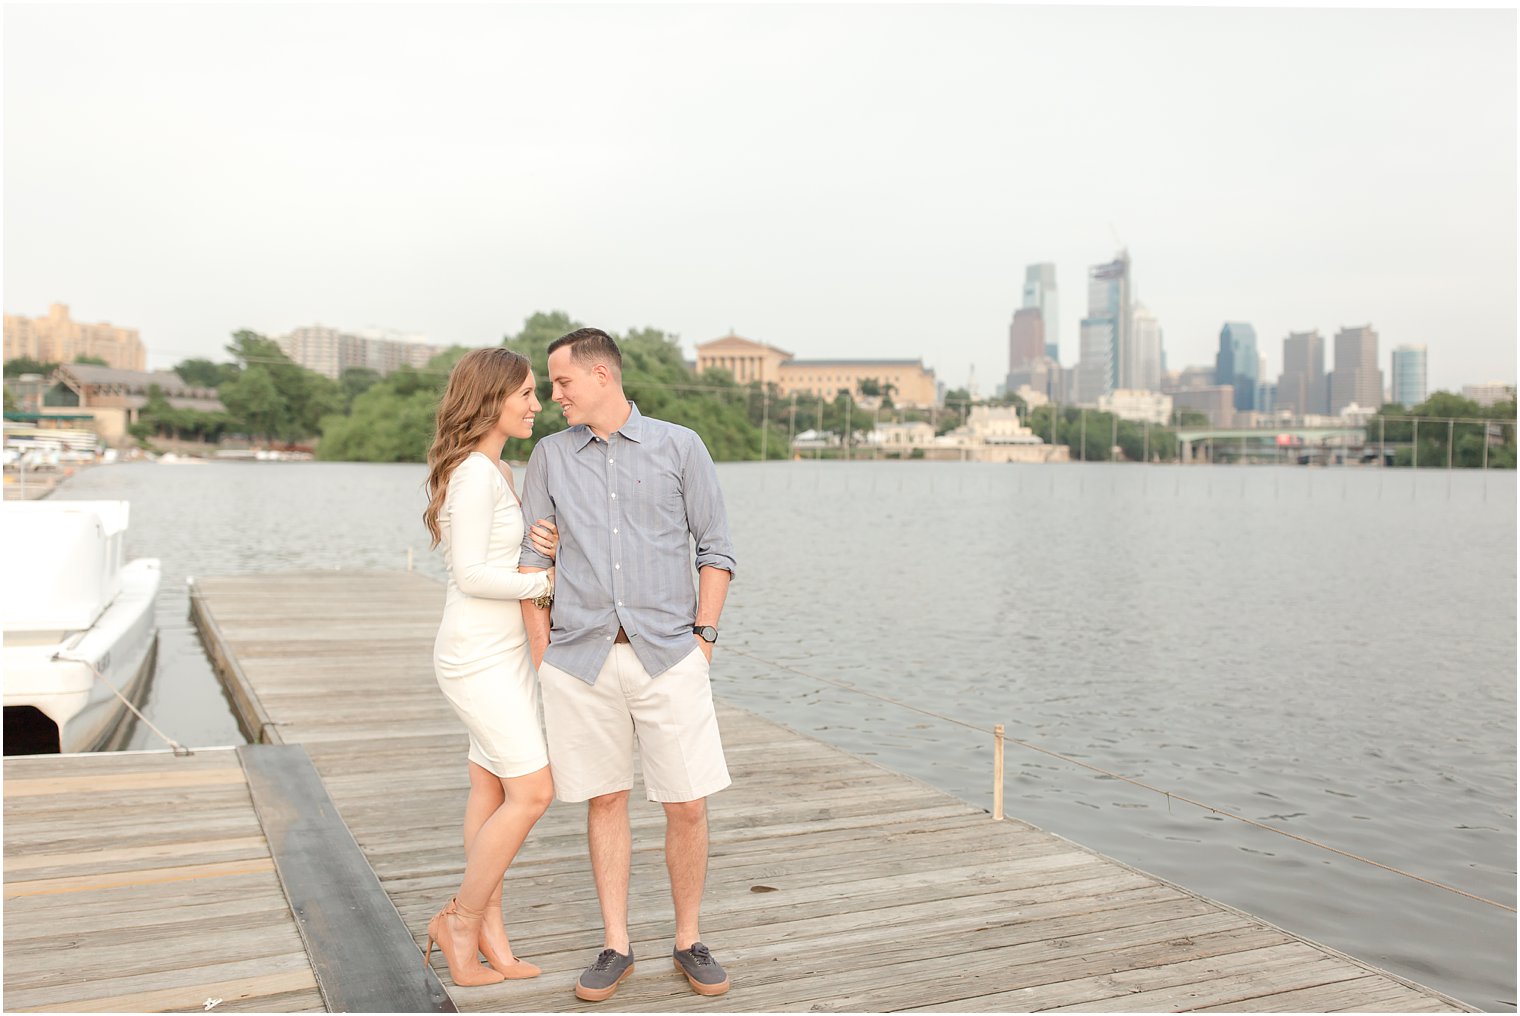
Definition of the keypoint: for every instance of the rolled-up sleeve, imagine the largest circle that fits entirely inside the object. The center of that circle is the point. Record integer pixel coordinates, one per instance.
(537, 504)
(705, 515)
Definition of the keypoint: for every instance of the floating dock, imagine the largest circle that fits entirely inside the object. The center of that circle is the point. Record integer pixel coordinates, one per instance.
(299, 872)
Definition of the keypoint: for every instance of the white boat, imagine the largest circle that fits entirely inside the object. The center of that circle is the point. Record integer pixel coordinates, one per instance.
(78, 625)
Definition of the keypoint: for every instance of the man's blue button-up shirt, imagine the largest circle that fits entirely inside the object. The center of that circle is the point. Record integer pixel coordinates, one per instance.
(627, 509)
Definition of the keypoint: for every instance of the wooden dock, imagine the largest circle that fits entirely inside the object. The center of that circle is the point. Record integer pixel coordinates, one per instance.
(142, 881)
(835, 884)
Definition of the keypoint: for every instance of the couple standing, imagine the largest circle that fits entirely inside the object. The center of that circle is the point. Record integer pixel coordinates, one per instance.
(623, 652)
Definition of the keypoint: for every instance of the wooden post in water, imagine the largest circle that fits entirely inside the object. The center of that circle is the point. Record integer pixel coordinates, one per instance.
(765, 419)
(997, 773)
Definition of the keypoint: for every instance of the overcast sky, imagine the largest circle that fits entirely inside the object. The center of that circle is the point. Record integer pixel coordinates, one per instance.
(855, 181)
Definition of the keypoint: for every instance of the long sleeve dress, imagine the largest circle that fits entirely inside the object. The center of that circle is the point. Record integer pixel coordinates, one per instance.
(481, 655)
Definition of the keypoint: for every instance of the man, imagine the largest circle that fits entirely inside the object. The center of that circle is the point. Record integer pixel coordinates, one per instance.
(630, 648)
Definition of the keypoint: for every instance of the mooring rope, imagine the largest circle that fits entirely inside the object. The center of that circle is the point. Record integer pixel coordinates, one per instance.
(179, 749)
(1169, 795)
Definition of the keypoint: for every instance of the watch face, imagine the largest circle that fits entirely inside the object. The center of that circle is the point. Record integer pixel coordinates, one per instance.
(708, 633)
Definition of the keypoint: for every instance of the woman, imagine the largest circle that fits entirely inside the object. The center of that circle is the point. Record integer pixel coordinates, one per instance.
(481, 655)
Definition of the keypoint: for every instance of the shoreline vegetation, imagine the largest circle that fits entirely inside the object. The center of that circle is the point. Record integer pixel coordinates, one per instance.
(364, 417)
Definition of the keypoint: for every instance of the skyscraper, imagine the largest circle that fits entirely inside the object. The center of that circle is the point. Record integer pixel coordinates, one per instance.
(1408, 375)
(1356, 377)
(1238, 363)
(1301, 386)
(1026, 338)
(1094, 370)
(1147, 342)
(1109, 313)
(1040, 293)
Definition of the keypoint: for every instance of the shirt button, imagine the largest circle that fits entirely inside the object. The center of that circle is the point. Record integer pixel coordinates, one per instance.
(609, 638)
(614, 497)
(617, 567)
(620, 603)
(614, 532)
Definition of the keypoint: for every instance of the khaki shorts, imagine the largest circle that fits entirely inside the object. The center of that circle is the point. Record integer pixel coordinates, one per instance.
(592, 728)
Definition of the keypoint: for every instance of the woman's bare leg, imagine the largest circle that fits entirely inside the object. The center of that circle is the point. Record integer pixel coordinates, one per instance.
(498, 816)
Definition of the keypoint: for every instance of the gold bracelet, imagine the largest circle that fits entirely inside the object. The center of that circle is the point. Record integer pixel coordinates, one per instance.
(543, 600)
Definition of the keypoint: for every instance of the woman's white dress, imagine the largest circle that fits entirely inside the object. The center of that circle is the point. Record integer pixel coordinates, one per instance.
(481, 654)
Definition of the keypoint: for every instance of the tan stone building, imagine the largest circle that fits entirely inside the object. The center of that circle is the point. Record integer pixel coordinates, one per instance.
(913, 384)
(112, 398)
(57, 339)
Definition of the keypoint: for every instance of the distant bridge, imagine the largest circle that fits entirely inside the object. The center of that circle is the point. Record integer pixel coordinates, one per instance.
(1306, 435)
(1261, 441)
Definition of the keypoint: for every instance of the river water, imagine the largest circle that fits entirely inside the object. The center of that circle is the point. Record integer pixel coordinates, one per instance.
(1331, 652)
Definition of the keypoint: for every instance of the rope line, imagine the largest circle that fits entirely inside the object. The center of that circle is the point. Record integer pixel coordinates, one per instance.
(179, 749)
(1169, 795)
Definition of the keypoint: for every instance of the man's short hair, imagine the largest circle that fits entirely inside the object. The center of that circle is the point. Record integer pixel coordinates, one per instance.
(590, 346)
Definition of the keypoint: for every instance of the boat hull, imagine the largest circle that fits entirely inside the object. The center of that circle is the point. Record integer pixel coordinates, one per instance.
(56, 673)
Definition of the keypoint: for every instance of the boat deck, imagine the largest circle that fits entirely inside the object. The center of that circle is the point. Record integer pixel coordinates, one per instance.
(835, 884)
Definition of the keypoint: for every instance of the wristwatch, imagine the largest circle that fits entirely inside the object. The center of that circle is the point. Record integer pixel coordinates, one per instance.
(707, 632)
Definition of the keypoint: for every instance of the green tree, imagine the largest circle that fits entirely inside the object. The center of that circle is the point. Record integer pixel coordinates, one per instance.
(355, 381)
(19, 365)
(1421, 434)
(1093, 439)
(385, 426)
(301, 397)
(202, 373)
(93, 361)
(253, 399)
(10, 401)
(393, 419)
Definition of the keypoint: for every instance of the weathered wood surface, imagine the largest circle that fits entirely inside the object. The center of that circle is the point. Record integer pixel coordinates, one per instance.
(142, 881)
(835, 885)
(360, 951)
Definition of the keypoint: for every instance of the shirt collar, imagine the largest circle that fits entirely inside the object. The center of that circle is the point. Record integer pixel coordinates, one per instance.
(632, 429)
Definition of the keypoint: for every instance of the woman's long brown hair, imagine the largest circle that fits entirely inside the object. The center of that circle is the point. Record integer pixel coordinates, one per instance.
(471, 405)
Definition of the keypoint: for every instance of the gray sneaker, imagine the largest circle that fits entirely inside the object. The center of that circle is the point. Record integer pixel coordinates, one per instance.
(600, 981)
(705, 974)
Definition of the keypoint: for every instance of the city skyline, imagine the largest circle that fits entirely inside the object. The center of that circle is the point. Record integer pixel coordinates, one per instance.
(869, 202)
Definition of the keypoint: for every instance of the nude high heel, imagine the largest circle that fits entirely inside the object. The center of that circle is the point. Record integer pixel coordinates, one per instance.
(510, 967)
(464, 968)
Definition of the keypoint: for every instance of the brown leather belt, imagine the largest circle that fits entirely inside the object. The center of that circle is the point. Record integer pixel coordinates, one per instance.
(622, 636)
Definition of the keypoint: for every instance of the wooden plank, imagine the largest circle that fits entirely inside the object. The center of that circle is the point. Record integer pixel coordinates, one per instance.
(193, 996)
(1235, 979)
(152, 852)
(363, 957)
(245, 703)
(1364, 992)
(184, 912)
(153, 876)
(99, 957)
(1125, 990)
(109, 782)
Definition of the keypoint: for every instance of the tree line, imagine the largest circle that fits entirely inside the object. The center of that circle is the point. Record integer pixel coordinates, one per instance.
(363, 416)
(1475, 435)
